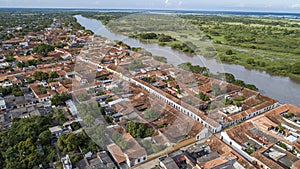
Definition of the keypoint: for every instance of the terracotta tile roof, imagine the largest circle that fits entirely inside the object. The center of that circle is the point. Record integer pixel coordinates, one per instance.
(241, 132)
(218, 146)
(117, 153)
(62, 89)
(296, 165)
(14, 41)
(224, 158)
(25, 58)
(183, 104)
(37, 91)
(53, 84)
(251, 110)
(275, 114)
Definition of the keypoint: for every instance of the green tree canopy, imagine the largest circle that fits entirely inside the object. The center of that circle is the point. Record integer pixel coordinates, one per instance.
(38, 75)
(139, 130)
(43, 49)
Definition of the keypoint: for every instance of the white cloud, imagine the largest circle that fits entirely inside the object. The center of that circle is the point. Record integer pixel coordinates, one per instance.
(295, 6)
(167, 1)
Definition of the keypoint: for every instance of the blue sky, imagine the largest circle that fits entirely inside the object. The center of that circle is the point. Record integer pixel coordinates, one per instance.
(242, 5)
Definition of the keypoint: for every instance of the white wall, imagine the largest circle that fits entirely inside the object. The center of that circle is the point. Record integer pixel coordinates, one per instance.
(236, 146)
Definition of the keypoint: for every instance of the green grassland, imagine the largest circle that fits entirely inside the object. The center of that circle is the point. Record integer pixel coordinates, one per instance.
(268, 44)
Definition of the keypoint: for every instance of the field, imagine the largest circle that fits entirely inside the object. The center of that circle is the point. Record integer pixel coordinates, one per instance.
(268, 44)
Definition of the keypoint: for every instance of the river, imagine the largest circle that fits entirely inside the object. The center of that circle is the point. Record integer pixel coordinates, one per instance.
(282, 88)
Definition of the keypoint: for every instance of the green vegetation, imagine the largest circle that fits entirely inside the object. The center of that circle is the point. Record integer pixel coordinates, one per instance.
(221, 76)
(139, 130)
(34, 21)
(9, 59)
(118, 139)
(149, 80)
(227, 101)
(38, 75)
(54, 75)
(231, 102)
(16, 91)
(43, 90)
(162, 125)
(160, 59)
(231, 79)
(70, 142)
(280, 128)
(281, 144)
(249, 150)
(19, 144)
(202, 96)
(100, 93)
(59, 116)
(107, 17)
(194, 68)
(43, 49)
(28, 63)
(60, 99)
(60, 45)
(109, 100)
(289, 115)
(240, 98)
(75, 126)
(164, 40)
(269, 44)
(212, 106)
(170, 79)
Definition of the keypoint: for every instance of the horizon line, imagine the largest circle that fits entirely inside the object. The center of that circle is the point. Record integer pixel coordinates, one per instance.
(153, 9)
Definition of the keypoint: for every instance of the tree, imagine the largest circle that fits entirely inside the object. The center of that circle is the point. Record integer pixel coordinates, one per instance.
(229, 52)
(9, 59)
(43, 90)
(54, 74)
(165, 38)
(43, 49)
(45, 137)
(295, 69)
(59, 116)
(202, 96)
(20, 64)
(38, 75)
(60, 99)
(139, 130)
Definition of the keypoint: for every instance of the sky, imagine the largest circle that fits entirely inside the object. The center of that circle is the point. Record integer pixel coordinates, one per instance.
(240, 5)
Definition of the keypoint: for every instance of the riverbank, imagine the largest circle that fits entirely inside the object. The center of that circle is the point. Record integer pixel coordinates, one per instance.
(261, 43)
(281, 88)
